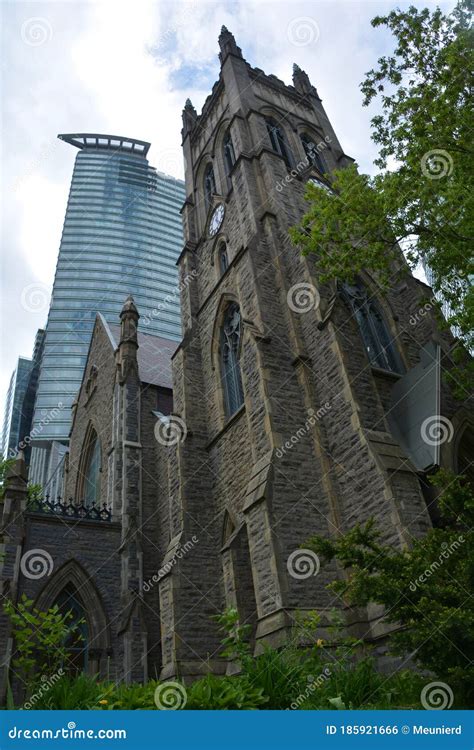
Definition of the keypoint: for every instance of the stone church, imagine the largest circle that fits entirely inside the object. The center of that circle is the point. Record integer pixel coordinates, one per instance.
(197, 472)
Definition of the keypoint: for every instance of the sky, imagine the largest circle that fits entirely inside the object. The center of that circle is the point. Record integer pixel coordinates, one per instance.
(126, 67)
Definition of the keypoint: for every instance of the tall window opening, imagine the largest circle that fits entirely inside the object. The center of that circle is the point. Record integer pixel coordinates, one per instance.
(230, 355)
(76, 644)
(223, 258)
(91, 473)
(209, 184)
(278, 140)
(373, 329)
(229, 154)
(312, 153)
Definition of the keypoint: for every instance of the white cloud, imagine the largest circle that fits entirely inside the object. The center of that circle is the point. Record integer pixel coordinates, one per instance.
(94, 72)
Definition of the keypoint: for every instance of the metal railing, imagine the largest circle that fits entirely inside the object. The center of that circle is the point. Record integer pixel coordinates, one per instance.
(69, 508)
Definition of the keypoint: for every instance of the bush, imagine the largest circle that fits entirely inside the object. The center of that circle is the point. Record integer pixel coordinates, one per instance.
(423, 588)
(67, 694)
(225, 693)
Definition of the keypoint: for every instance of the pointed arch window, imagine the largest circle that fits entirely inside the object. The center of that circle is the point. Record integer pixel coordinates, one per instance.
(373, 329)
(223, 258)
(312, 153)
(91, 472)
(278, 140)
(77, 640)
(209, 184)
(229, 153)
(230, 355)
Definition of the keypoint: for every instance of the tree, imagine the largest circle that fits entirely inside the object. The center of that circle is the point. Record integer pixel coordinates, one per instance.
(422, 197)
(40, 638)
(425, 589)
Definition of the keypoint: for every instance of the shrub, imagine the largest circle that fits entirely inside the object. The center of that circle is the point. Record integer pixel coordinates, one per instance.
(69, 693)
(225, 693)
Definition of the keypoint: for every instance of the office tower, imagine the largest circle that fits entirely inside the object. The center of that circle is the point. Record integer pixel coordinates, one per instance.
(122, 234)
(12, 421)
(20, 401)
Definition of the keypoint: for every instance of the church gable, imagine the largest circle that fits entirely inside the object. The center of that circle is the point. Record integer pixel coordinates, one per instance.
(93, 408)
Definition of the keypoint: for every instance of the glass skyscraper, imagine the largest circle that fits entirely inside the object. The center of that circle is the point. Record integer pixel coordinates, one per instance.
(122, 234)
(12, 421)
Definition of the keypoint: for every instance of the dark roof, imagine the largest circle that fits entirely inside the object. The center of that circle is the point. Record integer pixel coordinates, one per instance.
(154, 357)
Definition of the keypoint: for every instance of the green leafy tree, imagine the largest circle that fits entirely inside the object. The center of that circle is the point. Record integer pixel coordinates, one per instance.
(425, 589)
(422, 197)
(40, 638)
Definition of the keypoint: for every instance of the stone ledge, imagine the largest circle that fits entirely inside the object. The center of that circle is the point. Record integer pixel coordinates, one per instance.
(226, 427)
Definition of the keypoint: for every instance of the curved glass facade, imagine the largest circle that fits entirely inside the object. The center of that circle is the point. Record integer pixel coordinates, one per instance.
(122, 234)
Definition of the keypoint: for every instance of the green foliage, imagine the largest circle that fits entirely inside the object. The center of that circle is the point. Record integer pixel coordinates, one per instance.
(39, 637)
(68, 693)
(312, 678)
(235, 640)
(225, 693)
(35, 492)
(279, 674)
(422, 196)
(424, 589)
(130, 697)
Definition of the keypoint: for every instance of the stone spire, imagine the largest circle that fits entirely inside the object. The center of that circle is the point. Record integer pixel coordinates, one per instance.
(16, 476)
(128, 344)
(189, 117)
(228, 45)
(301, 80)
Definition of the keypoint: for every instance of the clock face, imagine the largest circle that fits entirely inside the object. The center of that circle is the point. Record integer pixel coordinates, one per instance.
(216, 219)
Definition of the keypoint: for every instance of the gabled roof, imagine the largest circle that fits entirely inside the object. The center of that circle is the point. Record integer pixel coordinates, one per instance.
(154, 355)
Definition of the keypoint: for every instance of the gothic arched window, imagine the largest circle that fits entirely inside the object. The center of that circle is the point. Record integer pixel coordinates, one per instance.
(229, 153)
(91, 472)
(278, 140)
(209, 184)
(223, 258)
(372, 326)
(230, 353)
(312, 153)
(76, 644)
